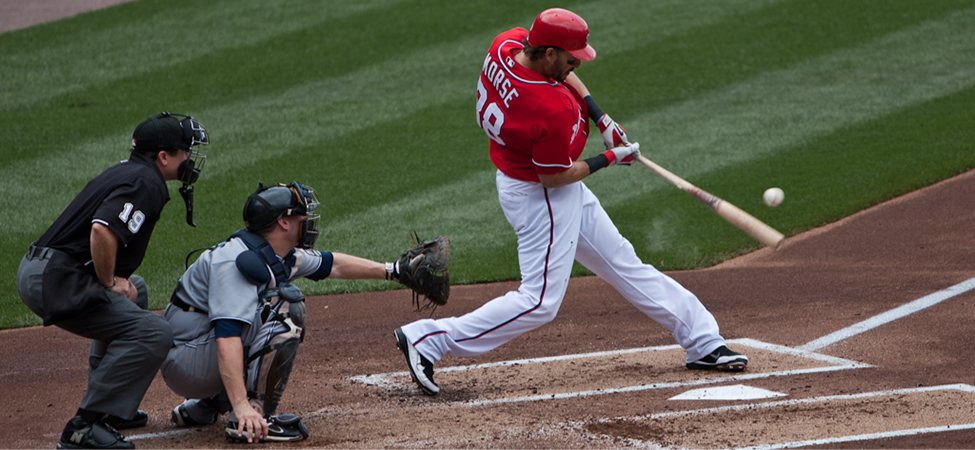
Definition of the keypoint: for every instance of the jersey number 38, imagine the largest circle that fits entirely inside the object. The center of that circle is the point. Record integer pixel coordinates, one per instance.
(490, 119)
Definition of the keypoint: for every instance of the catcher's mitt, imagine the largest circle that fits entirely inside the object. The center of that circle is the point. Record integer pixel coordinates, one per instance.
(423, 269)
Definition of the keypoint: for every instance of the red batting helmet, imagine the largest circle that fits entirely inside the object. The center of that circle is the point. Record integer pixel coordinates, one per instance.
(563, 29)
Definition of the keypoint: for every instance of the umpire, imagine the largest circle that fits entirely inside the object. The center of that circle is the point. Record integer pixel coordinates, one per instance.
(79, 276)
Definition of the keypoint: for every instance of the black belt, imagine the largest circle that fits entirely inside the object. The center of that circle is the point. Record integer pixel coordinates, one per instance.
(35, 252)
(179, 303)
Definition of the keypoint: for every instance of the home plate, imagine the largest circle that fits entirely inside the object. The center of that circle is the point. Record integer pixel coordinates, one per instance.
(736, 392)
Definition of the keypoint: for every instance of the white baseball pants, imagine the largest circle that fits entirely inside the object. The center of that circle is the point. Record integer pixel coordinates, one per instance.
(555, 227)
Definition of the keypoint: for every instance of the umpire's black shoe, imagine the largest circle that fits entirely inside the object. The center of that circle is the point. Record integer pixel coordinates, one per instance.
(140, 420)
(721, 358)
(78, 434)
(421, 369)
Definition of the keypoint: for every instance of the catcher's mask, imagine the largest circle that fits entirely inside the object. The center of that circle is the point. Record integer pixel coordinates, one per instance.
(165, 131)
(269, 203)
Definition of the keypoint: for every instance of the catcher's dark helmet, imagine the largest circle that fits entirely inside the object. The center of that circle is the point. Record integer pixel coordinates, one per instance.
(269, 203)
(563, 29)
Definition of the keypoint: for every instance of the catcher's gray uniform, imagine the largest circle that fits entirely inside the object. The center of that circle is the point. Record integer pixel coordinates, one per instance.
(214, 288)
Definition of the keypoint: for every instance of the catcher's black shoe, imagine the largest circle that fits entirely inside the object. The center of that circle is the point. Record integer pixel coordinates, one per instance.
(182, 418)
(282, 428)
(79, 434)
(140, 420)
(721, 358)
(421, 369)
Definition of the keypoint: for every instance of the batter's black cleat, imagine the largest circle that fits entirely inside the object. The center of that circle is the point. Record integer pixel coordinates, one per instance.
(79, 434)
(721, 358)
(281, 428)
(140, 420)
(421, 369)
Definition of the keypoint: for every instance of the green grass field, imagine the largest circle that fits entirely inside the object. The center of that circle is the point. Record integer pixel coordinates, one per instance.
(842, 104)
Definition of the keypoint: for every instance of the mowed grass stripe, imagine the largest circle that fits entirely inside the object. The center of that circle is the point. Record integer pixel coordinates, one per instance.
(474, 197)
(825, 179)
(79, 58)
(773, 112)
(313, 113)
(267, 131)
(783, 109)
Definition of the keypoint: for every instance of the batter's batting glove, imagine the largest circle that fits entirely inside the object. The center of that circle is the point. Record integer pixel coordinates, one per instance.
(623, 155)
(613, 134)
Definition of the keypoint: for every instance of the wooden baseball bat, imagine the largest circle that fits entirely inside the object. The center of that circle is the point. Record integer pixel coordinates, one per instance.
(744, 221)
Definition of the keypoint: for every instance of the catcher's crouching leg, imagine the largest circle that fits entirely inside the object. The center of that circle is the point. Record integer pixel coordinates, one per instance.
(269, 369)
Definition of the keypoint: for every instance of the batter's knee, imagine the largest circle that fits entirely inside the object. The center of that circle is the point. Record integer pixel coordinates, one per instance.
(546, 311)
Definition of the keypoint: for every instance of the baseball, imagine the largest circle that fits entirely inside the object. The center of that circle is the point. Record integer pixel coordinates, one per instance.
(773, 196)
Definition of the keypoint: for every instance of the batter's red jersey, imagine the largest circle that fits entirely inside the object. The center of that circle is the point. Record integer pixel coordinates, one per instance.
(536, 124)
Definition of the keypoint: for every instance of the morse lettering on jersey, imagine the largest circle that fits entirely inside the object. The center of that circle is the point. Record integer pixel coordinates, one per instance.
(498, 79)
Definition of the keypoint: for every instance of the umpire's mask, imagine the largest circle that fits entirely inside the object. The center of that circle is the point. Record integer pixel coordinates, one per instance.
(165, 131)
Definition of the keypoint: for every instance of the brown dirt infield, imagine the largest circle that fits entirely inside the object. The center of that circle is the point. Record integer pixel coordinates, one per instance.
(819, 282)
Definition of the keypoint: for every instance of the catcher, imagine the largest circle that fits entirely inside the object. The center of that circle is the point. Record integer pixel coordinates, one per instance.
(237, 321)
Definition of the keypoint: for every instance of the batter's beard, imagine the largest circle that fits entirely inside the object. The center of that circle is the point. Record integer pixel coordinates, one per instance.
(561, 78)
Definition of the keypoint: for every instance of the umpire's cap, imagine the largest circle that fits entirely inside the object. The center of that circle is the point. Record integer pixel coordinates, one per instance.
(166, 131)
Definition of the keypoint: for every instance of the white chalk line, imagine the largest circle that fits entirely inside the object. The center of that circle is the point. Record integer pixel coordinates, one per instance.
(783, 403)
(846, 333)
(806, 351)
(162, 434)
(387, 379)
(865, 437)
(381, 379)
(890, 316)
(799, 401)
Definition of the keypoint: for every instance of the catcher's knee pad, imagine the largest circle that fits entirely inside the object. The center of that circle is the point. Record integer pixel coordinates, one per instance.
(293, 315)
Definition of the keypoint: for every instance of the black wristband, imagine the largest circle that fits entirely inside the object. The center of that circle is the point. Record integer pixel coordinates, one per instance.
(594, 112)
(596, 162)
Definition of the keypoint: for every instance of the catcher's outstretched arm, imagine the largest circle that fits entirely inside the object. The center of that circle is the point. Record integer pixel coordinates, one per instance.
(348, 267)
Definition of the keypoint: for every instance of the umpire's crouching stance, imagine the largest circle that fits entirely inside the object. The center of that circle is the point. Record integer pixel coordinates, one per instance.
(78, 276)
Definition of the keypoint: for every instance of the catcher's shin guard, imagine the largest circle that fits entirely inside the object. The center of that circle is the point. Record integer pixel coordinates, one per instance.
(270, 366)
(271, 371)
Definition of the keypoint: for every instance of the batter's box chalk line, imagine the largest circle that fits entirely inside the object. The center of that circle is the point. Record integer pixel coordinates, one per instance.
(963, 388)
(399, 379)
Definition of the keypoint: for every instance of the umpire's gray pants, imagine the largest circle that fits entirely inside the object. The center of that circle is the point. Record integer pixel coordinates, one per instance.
(129, 343)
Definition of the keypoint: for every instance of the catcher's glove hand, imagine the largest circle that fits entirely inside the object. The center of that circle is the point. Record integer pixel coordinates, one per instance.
(424, 270)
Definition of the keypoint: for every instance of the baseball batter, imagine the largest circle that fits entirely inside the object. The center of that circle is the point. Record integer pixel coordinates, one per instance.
(237, 320)
(79, 277)
(535, 111)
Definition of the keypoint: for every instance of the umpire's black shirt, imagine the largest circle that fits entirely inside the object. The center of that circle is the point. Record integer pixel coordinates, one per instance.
(127, 198)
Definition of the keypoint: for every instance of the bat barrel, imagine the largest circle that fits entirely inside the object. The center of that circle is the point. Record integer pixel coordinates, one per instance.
(745, 222)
